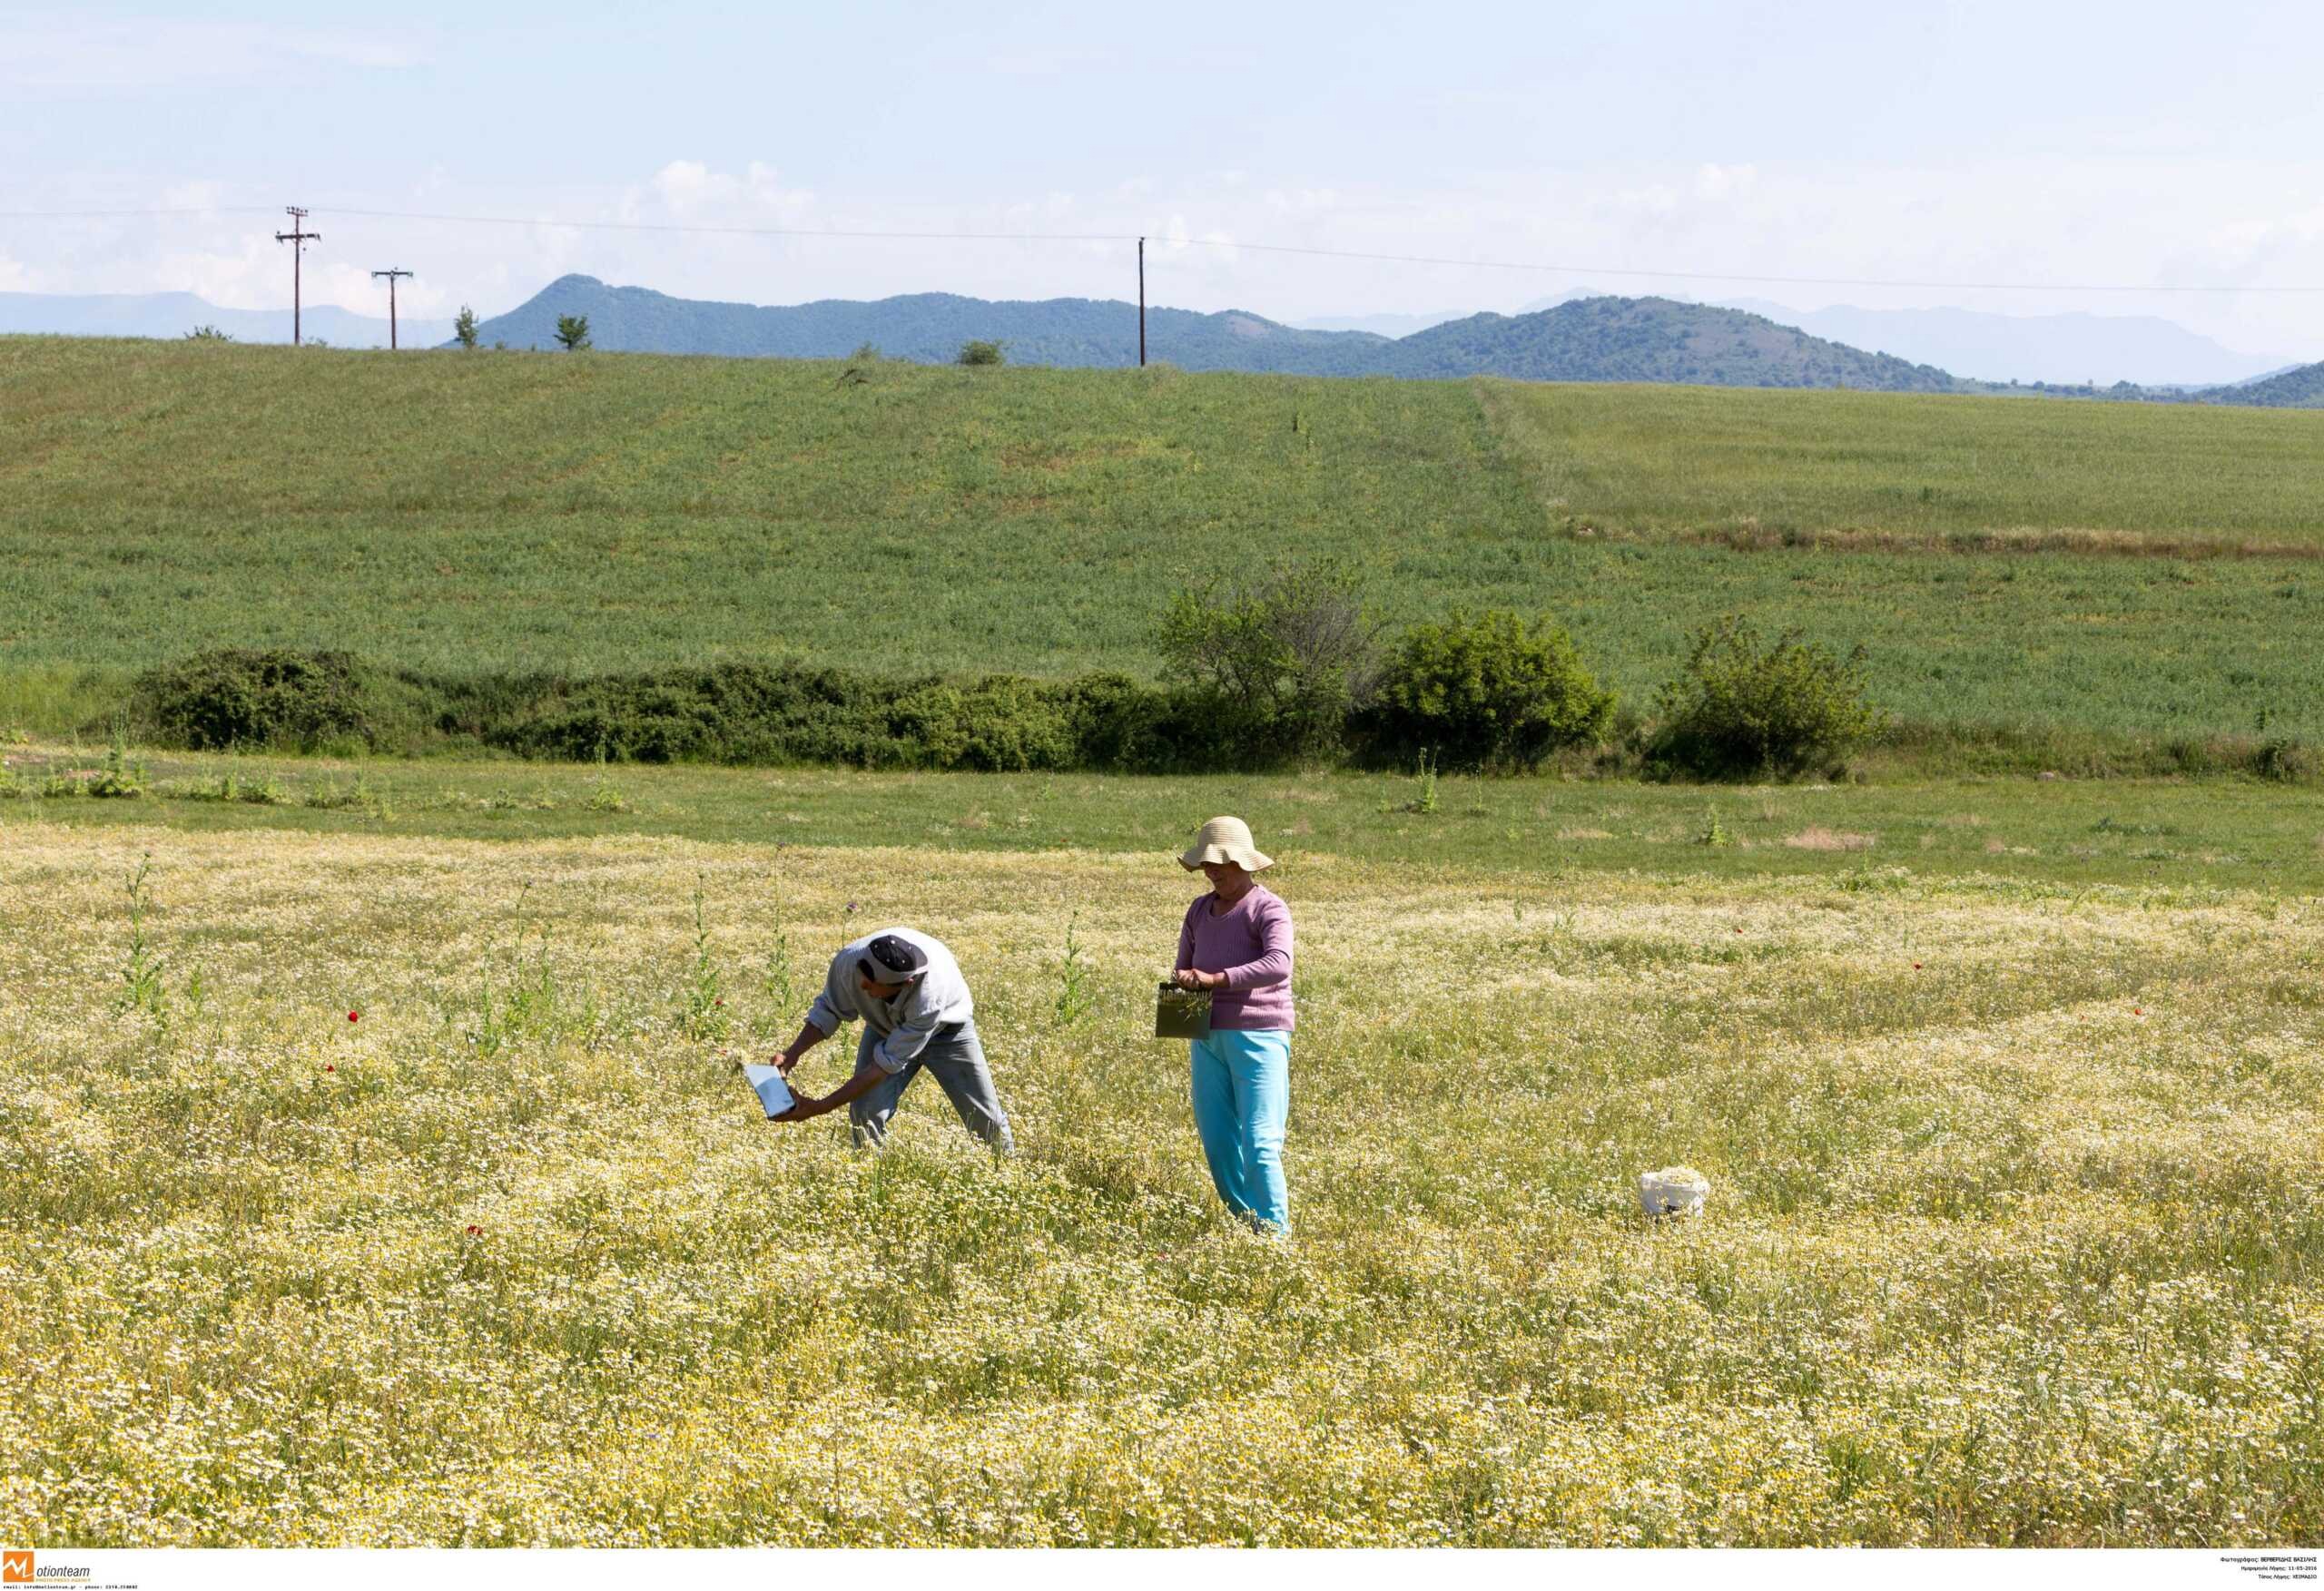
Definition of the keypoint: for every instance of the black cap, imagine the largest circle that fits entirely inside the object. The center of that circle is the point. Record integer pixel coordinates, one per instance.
(889, 959)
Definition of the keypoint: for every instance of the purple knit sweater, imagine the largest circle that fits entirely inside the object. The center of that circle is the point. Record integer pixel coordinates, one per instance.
(1250, 942)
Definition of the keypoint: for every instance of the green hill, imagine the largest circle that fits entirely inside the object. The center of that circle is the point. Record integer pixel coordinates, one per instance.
(928, 328)
(2301, 387)
(1589, 340)
(2008, 563)
(1656, 340)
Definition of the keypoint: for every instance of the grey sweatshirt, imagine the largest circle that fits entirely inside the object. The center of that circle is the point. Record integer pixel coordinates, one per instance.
(937, 999)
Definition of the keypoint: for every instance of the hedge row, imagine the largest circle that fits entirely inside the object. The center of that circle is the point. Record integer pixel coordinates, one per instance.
(749, 714)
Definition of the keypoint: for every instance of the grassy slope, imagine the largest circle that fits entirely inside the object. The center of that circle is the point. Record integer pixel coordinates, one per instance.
(513, 511)
(1681, 460)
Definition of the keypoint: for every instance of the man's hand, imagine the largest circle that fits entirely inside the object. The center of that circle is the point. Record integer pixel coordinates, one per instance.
(782, 1061)
(802, 1106)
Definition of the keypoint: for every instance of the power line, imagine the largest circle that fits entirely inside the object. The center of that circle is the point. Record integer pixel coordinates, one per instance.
(1843, 282)
(391, 275)
(646, 226)
(1542, 267)
(298, 237)
(125, 214)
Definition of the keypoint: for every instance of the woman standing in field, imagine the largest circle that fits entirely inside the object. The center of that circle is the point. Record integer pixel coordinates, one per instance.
(1235, 941)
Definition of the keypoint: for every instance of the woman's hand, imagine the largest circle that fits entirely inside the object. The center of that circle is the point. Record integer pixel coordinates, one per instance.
(1189, 978)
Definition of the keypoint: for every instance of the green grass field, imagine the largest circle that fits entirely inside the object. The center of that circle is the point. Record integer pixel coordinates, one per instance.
(2007, 1095)
(518, 511)
(2173, 836)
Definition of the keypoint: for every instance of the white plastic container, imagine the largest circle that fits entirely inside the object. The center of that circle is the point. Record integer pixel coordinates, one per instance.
(1674, 1190)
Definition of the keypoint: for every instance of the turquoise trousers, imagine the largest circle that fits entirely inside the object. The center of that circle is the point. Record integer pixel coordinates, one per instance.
(1242, 1091)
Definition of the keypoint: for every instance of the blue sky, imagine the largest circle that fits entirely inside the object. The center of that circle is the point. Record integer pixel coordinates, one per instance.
(2124, 144)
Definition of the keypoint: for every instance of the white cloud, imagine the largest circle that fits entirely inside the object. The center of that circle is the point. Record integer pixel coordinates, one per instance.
(691, 190)
(63, 52)
(195, 195)
(255, 275)
(1302, 203)
(17, 276)
(1715, 182)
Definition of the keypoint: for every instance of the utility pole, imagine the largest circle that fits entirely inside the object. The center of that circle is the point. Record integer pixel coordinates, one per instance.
(391, 275)
(298, 237)
(1141, 303)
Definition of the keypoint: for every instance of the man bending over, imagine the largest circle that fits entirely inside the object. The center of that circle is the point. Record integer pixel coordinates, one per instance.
(917, 1014)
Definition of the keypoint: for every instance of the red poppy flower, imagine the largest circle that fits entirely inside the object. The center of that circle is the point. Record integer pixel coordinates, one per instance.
(330, 1068)
(1916, 966)
(351, 1016)
(475, 1231)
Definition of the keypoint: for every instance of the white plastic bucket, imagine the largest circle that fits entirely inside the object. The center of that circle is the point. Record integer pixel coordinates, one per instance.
(1674, 1190)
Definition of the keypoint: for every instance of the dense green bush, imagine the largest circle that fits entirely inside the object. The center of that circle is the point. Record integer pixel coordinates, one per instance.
(1484, 692)
(980, 352)
(736, 713)
(1270, 669)
(1741, 707)
(274, 697)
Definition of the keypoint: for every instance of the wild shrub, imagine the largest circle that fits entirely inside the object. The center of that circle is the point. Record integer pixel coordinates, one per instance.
(1002, 723)
(1275, 667)
(980, 352)
(245, 697)
(1485, 692)
(1741, 706)
(738, 714)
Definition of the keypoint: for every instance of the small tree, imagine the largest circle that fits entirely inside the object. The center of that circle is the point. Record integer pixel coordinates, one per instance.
(981, 353)
(1273, 667)
(464, 327)
(1486, 693)
(1741, 706)
(573, 331)
(207, 333)
(867, 353)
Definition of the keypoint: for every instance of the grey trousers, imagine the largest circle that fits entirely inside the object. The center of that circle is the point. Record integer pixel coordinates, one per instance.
(958, 1065)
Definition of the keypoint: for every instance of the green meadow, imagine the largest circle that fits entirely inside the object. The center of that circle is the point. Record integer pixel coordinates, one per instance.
(2011, 564)
(375, 1172)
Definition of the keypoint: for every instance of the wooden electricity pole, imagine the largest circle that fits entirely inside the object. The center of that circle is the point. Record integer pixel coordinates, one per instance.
(391, 275)
(1141, 303)
(298, 237)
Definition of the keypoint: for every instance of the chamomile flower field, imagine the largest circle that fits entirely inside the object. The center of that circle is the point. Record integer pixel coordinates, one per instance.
(373, 1188)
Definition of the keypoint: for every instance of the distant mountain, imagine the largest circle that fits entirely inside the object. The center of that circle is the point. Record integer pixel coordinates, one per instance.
(1405, 324)
(1656, 340)
(1590, 340)
(169, 315)
(2301, 386)
(2074, 349)
(1378, 325)
(929, 327)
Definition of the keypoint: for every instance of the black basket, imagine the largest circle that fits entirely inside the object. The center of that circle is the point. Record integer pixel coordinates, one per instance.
(1181, 1013)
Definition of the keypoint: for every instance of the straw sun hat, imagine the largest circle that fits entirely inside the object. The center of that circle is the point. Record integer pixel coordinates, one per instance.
(1225, 840)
